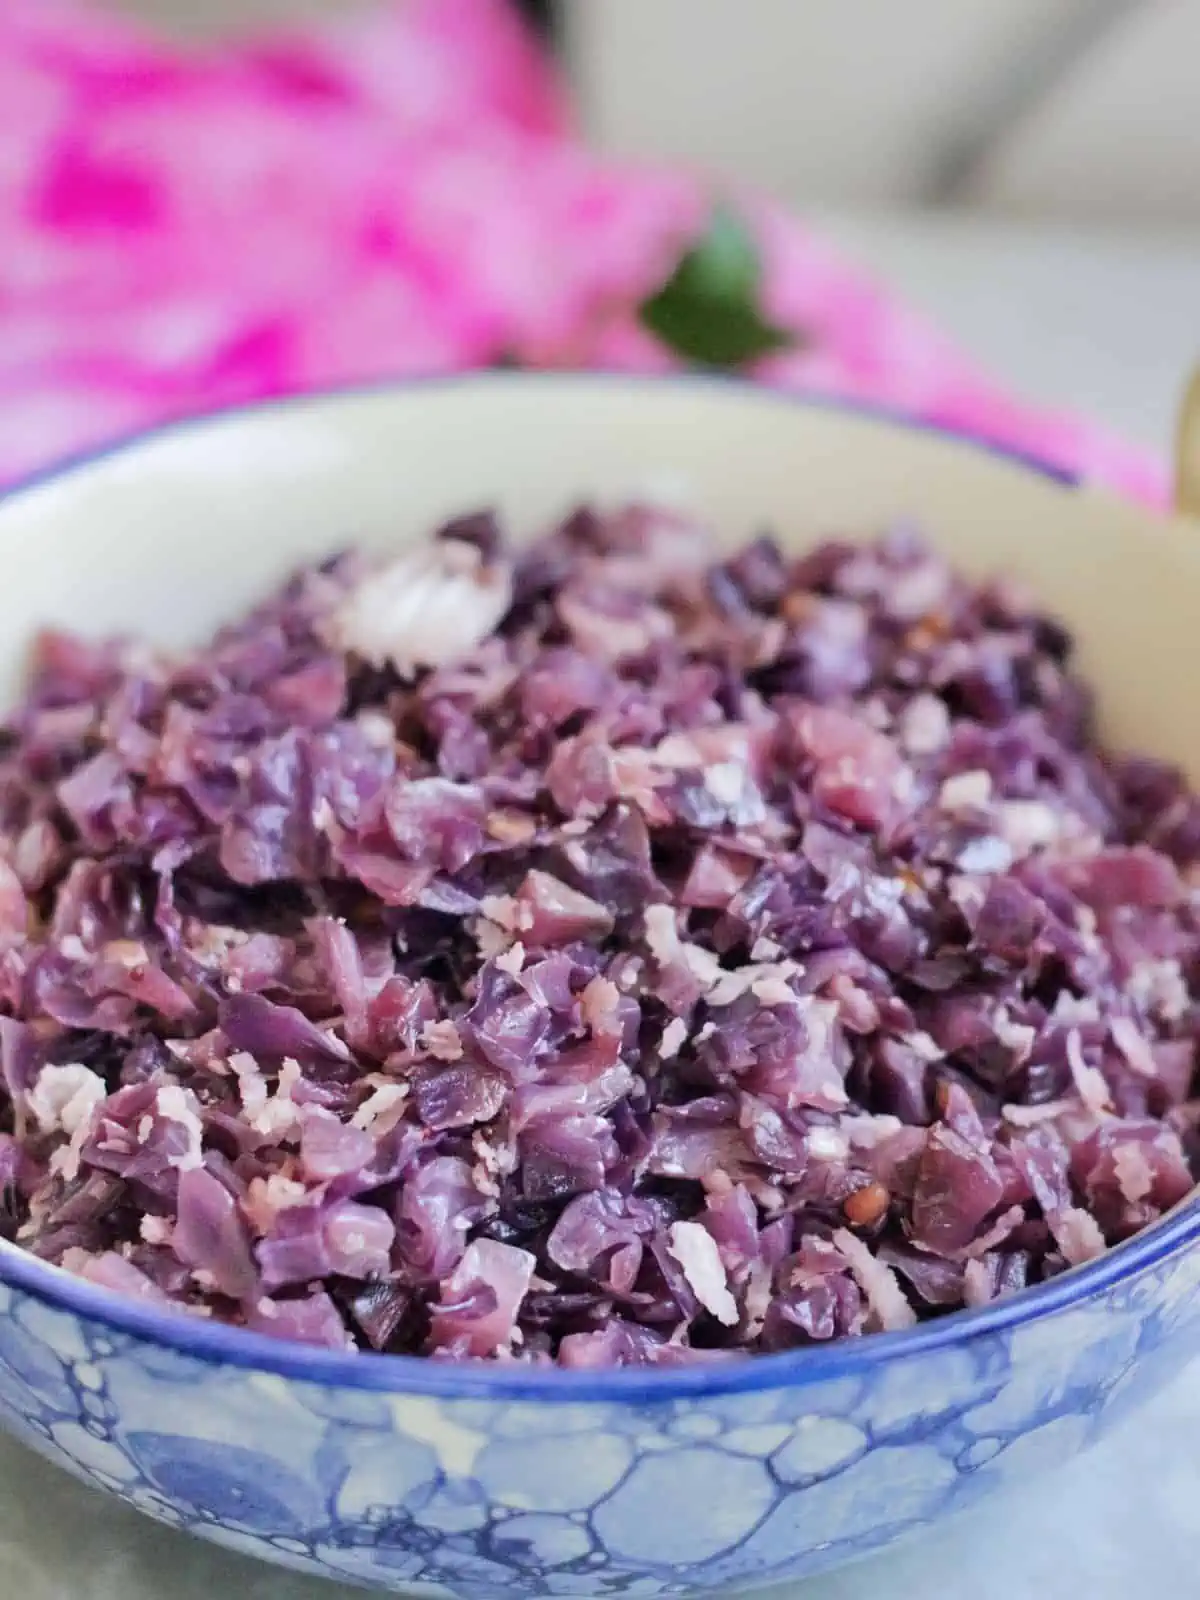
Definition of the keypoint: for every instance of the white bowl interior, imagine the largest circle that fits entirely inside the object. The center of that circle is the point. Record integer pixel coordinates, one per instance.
(173, 535)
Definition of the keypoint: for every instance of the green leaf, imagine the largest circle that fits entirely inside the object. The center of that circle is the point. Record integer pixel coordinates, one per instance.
(707, 311)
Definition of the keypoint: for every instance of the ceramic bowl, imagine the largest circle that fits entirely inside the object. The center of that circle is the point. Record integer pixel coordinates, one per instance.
(431, 1479)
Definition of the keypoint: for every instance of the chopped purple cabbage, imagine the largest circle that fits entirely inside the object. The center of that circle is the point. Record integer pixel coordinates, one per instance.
(603, 954)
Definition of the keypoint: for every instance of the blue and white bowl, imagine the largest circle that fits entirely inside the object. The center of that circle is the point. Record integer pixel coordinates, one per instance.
(479, 1482)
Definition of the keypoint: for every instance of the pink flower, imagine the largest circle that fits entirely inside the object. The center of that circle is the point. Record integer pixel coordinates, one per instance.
(398, 193)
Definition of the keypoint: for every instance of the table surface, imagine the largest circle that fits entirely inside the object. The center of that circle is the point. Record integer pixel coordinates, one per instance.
(1106, 325)
(1101, 325)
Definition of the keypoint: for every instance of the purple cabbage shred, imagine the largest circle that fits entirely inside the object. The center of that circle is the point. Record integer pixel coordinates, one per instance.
(604, 953)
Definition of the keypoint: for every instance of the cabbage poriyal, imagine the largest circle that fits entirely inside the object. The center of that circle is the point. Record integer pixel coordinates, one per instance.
(604, 952)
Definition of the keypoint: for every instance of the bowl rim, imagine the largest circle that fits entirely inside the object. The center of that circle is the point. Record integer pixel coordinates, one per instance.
(217, 1343)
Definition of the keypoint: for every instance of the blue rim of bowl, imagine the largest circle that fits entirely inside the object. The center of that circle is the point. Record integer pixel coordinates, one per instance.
(223, 1344)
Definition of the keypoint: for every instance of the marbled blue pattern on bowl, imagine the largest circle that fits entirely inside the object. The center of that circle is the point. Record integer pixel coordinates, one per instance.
(426, 1479)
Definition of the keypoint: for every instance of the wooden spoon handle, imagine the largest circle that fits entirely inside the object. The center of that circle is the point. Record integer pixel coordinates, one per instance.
(1187, 451)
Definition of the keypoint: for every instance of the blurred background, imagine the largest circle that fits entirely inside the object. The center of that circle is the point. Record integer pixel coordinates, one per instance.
(1027, 171)
(1085, 110)
(254, 196)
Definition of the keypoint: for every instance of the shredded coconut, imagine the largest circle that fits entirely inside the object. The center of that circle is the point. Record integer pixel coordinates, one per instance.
(724, 781)
(877, 1281)
(65, 1097)
(599, 1004)
(966, 792)
(827, 1144)
(924, 725)
(442, 1040)
(1134, 1173)
(1015, 1036)
(674, 1035)
(512, 959)
(1089, 1081)
(1030, 1116)
(376, 1110)
(180, 1106)
(767, 981)
(267, 1197)
(986, 854)
(1027, 825)
(1159, 987)
(426, 607)
(696, 1251)
(279, 1116)
(977, 1284)
(1078, 1235)
(1132, 1044)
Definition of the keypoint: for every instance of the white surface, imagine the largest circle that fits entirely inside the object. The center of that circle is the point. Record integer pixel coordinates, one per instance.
(1119, 137)
(1104, 324)
(845, 101)
(1087, 107)
(859, 102)
(1124, 1520)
